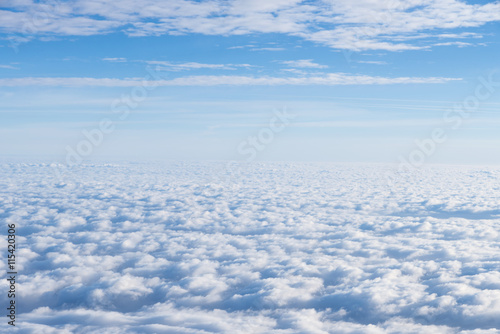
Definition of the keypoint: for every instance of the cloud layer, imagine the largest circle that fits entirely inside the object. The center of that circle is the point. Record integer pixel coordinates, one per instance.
(330, 79)
(263, 248)
(394, 25)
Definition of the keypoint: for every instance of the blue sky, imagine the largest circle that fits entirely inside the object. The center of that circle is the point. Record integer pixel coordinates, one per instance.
(364, 79)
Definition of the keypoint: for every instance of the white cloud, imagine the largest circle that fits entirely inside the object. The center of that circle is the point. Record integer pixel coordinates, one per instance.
(341, 24)
(212, 80)
(303, 63)
(301, 250)
(169, 66)
(241, 47)
(115, 60)
(459, 44)
(9, 67)
(268, 49)
(374, 62)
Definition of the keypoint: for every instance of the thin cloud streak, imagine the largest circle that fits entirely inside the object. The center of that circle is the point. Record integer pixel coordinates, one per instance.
(211, 80)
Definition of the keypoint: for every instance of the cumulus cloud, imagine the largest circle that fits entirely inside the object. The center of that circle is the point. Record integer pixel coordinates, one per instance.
(341, 24)
(261, 248)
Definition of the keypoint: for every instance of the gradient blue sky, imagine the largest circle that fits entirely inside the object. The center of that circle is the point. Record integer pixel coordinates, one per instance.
(364, 78)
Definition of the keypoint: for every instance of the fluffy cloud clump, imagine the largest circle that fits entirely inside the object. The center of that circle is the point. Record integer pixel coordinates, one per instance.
(356, 25)
(262, 248)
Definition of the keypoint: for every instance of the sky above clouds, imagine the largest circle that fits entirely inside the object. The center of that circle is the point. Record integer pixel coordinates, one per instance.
(364, 79)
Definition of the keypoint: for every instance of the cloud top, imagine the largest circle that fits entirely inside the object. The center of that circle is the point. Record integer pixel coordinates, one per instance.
(197, 248)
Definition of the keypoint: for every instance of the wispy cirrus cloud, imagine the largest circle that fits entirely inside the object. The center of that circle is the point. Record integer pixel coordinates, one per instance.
(340, 24)
(170, 66)
(303, 63)
(330, 79)
(459, 44)
(268, 49)
(116, 60)
(373, 62)
(9, 67)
